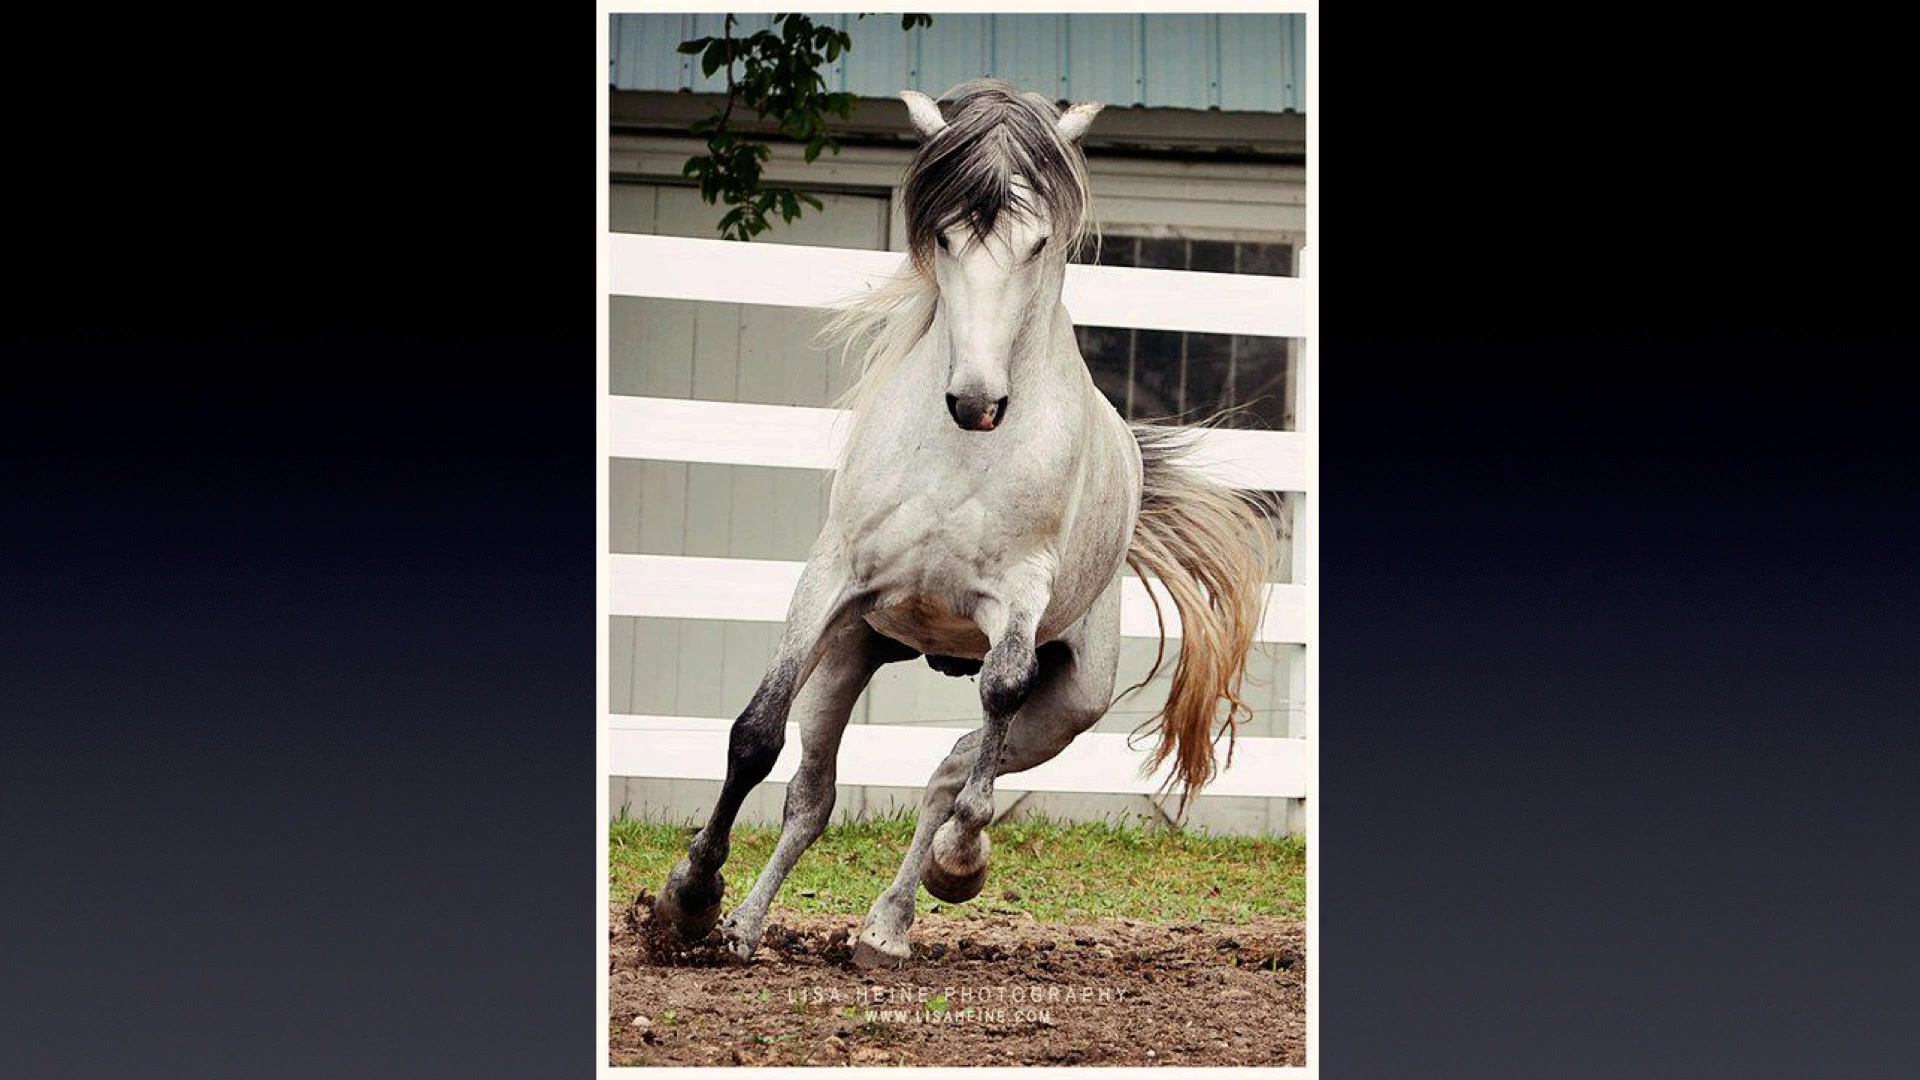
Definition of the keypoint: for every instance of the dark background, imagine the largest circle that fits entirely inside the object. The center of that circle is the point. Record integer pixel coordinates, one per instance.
(296, 554)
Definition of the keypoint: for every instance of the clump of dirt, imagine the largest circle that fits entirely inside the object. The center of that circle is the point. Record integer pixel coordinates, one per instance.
(999, 990)
(663, 947)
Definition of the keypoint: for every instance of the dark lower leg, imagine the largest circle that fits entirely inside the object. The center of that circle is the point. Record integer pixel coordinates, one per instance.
(690, 901)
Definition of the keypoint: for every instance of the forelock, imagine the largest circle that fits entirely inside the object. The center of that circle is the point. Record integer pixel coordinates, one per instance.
(963, 175)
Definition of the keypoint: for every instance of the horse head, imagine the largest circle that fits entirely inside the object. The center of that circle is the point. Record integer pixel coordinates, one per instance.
(996, 204)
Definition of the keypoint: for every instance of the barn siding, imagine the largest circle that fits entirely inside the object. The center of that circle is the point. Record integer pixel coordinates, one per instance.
(687, 667)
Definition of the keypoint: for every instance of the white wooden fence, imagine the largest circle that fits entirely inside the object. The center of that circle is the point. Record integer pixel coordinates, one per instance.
(680, 587)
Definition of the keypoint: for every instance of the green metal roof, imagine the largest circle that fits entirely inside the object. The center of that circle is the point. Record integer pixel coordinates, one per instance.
(1252, 63)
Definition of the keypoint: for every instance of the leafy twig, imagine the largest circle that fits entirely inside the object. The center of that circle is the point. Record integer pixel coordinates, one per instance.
(779, 76)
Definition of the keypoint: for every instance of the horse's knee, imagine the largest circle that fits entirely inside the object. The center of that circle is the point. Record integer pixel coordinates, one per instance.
(973, 809)
(1007, 677)
(1042, 733)
(754, 744)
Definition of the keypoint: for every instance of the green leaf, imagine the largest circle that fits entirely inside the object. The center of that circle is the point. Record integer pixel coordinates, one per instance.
(777, 73)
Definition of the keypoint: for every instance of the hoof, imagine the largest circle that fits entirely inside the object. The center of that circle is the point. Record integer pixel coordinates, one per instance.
(738, 940)
(953, 873)
(685, 908)
(877, 950)
(951, 889)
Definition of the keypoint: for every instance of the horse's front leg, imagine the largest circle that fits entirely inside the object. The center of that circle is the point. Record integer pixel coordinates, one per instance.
(957, 864)
(1068, 693)
(689, 904)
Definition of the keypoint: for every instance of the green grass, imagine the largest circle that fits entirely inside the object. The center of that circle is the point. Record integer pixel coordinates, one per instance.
(1060, 872)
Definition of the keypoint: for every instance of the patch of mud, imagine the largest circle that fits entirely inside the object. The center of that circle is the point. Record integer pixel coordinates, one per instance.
(1000, 990)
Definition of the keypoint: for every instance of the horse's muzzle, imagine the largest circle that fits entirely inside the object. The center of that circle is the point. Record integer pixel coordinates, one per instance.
(977, 413)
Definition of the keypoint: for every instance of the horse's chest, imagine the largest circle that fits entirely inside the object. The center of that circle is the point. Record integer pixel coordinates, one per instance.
(938, 547)
(934, 523)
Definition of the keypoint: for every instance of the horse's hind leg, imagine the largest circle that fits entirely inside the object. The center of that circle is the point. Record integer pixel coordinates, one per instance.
(821, 710)
(689, 904)
(1070, 693)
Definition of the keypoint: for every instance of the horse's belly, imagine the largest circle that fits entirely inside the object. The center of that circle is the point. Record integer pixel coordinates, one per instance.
(927, 624)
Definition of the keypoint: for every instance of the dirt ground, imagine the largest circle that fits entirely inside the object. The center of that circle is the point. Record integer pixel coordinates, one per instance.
(999, 990)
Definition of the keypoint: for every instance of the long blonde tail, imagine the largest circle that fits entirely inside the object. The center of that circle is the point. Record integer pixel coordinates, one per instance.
(1213, 548)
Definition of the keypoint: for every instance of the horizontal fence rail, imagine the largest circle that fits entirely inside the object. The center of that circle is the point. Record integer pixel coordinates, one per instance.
(801, 437)
(891, 755)
(759, 590)
(787, 275)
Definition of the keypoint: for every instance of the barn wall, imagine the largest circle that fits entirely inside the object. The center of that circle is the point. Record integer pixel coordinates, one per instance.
(739, 352)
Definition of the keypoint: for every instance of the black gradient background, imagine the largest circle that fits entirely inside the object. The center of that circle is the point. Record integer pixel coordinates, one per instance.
(296, 572)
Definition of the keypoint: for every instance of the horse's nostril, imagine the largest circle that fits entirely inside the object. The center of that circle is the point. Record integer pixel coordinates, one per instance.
(976, 413)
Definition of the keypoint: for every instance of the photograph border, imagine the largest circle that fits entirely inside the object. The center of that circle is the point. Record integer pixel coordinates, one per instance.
(1306, 555)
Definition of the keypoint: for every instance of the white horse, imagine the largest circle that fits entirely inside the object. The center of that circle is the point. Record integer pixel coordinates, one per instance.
(987, 501)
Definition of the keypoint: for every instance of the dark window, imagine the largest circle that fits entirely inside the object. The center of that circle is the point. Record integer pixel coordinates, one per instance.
(1163, 374)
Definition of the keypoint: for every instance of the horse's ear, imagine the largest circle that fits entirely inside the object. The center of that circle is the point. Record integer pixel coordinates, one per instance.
(924, 113)
(1077, 119)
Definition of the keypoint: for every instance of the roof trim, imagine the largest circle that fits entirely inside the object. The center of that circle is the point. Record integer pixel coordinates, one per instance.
(1135, 131)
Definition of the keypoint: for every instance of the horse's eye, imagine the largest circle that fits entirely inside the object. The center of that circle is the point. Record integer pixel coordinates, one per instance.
(941, 239)
(1035, 253)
